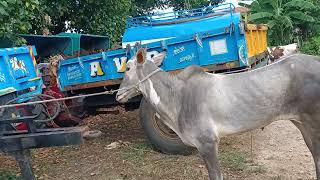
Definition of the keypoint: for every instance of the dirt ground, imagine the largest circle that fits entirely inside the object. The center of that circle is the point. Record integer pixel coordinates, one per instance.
(278, 153)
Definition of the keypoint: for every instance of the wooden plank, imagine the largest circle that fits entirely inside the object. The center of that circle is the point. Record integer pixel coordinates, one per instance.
(262, 27)
(93, 85)
(40, 140)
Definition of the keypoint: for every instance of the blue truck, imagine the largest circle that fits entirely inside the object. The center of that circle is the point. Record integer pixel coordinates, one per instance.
(19, 75)
(20, 79)
(216, 38)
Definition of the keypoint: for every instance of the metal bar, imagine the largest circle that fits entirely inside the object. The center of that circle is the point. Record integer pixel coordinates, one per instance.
(172, 16)
(24, 160)
(18, 142)
(59, 99)
(31, 126)
(18, 119)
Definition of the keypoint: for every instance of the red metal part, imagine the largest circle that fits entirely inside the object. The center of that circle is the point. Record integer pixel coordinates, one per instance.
(64, 117)
(21, 126)
(65, 114)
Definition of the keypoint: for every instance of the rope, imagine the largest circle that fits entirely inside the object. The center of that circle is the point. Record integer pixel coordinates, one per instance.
(85, 95)
(63, 99)
(148, 76)
(251, 146)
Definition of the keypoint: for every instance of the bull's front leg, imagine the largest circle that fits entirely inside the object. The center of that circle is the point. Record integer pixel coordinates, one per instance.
(209, 152)
(316, 156)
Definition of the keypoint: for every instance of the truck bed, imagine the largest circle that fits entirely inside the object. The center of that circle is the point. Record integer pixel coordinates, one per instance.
(18, 71)
(223, 47)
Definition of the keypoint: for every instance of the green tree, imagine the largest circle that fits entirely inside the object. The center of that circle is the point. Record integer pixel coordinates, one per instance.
(284, 17)
(145, 6)
(141, 7)
(312, 46)
(103, 17)
(315, 27)
(16, 17)
(53, 15)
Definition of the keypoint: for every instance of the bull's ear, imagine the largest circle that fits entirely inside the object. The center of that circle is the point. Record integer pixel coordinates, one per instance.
(141, 56)
(158, 59)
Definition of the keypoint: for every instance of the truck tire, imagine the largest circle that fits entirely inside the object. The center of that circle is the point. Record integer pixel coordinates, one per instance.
(160, 136)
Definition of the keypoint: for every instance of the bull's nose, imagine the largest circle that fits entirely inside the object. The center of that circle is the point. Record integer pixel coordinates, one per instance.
(120, 97)
(117, 96)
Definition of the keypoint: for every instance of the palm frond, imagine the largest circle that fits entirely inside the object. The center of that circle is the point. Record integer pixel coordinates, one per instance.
(301, 16)
(287, 22)
(260, 6)
(244, 5)
(300, 4)
(272, 23)
(259, 16)
(274, 3)
(255, 7)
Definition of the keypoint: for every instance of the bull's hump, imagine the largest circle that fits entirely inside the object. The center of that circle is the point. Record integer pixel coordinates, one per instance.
(191, 71)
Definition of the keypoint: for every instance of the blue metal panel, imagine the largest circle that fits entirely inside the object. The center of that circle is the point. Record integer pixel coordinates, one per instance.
(176, 30)
(143, 32)
(5, 75)
(18, 71)
(91, 68)
(116, 57)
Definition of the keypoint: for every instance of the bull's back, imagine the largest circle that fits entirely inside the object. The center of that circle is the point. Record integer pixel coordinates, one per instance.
(253, 99)
(283, 90)
(304, 88)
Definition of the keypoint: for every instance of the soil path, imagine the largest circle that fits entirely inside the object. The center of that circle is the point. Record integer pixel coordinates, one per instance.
(279, 152)
(280, 149)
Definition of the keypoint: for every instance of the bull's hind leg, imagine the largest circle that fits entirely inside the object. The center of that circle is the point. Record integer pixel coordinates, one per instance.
(311, 135)
(316, 149)
(316, 157)
(305, 134)
(209, 152)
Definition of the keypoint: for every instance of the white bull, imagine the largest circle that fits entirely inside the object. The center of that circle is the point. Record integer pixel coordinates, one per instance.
(201, 107)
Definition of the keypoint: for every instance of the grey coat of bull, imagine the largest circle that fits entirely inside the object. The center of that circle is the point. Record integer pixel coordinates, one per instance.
(201, 107)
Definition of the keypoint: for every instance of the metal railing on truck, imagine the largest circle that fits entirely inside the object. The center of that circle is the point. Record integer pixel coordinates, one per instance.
(181, 16)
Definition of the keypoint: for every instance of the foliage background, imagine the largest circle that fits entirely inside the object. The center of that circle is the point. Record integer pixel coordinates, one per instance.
(103, 17)
(15, 17)
(289, 20)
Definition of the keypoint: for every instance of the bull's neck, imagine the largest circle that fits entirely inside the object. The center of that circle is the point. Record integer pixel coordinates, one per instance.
(162, 90)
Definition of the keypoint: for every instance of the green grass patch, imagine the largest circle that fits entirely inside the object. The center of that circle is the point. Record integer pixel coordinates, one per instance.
(258, 169)
(9, 176)
(137, 152)
(234, 160)
(239, 161)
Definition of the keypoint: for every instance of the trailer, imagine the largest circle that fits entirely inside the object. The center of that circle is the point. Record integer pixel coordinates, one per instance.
(19, 76)
(23, 127)
(215, 37)
(64, 45)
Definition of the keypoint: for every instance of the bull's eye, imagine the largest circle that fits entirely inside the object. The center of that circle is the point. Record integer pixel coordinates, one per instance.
(128, 68)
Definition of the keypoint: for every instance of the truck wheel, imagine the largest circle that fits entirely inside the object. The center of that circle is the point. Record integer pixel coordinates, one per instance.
(160, 136)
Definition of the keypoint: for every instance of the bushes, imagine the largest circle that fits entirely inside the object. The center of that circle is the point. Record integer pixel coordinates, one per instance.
(15, 17)
(312, 46)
